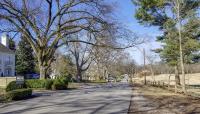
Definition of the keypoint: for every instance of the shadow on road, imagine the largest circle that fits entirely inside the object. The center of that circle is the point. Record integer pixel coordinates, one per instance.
(88, 100)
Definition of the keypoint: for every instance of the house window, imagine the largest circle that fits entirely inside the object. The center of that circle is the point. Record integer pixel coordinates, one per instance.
(8, 61)
(8, 72)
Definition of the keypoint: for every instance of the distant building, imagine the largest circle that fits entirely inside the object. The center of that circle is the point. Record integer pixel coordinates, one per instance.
(7, 58)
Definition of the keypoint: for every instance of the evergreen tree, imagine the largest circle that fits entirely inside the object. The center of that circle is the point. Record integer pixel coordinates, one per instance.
(12, 45)
(170, 50)
(25, 62)
(176, 18)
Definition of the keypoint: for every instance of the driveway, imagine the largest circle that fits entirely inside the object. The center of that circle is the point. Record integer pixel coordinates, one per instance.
(89, 99)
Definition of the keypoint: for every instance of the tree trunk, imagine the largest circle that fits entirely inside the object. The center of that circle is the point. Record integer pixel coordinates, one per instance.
(169, 81)
(43, 71)
(177, 78)
(79, 75)
(180, 47)
(152, 72)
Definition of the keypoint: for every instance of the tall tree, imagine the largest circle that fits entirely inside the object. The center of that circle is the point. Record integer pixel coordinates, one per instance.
(45, 22)
(170, 51)
(160, 12)
(12, 45)
(82, 54)
(63, 65)
(25, 61)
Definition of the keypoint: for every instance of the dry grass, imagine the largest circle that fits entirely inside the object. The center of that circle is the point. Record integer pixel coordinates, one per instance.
(156, 101)
(191, 79)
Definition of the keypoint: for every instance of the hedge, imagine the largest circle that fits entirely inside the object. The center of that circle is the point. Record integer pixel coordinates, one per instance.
(48, 84)
(35, 83)
(57, 84)
(60, 84)
(18, 94)
(12, 86)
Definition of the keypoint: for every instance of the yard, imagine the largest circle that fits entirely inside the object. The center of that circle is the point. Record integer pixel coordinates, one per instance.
(154, 100)
(192, 81)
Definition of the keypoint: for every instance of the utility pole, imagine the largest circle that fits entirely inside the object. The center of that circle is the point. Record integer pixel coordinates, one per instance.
(145, 80)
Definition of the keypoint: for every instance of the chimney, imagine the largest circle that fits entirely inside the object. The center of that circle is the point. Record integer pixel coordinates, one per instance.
(5, 40)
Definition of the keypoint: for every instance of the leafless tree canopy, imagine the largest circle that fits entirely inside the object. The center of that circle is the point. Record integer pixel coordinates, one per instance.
(45, 22)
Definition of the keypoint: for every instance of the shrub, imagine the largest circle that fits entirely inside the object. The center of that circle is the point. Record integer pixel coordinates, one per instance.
(12, 86)
(18, 94)
(64, 80)
(35, 83)
(60, 83)
(48, 84)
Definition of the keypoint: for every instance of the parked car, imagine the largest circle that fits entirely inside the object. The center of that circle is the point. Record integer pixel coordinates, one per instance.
(32, 76)
(111, 79)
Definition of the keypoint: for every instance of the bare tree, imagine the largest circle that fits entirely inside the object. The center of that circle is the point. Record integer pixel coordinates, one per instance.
(62, 66)
(82, 54)
(45, 22)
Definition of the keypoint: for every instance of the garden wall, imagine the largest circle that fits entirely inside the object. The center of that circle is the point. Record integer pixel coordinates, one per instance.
(6, 80)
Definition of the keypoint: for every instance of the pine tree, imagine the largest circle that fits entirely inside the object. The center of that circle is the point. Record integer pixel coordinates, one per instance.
(174, 17)
(12, 45)
(25, 62)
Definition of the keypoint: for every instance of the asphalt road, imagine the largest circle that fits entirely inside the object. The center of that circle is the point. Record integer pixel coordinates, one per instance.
(98, 99)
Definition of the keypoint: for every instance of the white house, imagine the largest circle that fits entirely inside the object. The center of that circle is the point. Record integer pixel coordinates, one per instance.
(7, 58)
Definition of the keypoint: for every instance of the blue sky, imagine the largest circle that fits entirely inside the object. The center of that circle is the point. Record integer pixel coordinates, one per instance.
(125, 13)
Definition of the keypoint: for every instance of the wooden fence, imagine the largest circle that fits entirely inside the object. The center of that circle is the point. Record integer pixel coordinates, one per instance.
(191, 90)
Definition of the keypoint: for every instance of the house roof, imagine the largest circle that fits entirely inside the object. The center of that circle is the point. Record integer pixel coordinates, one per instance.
(4, 49)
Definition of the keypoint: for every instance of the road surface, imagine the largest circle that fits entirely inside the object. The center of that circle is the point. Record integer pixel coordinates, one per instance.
(98, 99)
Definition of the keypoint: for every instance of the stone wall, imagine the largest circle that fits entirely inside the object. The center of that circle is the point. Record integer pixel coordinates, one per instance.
(6, 80)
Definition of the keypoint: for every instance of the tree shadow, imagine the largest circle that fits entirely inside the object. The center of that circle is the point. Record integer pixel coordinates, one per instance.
(63, 103)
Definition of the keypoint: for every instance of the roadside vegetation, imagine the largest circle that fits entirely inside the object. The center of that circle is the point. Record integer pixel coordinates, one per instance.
(159, 100)
(179, 22)
(81, 41)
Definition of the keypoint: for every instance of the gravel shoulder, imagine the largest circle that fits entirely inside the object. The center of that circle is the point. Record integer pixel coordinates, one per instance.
(153, 100)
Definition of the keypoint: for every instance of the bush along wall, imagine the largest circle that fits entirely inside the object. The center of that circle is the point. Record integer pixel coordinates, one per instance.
(35, 83)
(60, 83)
(13, 86)
(18, 94)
